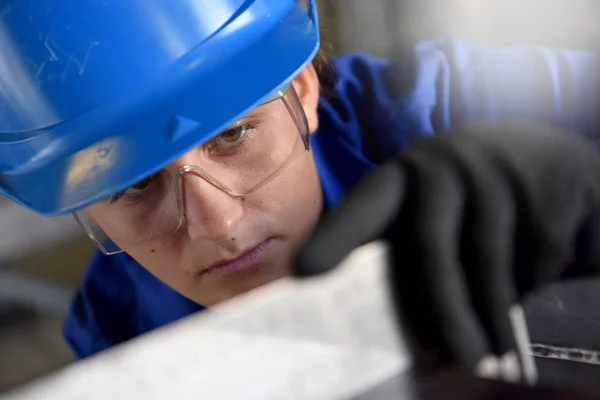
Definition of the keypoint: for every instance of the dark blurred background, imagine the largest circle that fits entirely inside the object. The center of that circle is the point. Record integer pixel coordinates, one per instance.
(42, 260)
(41, 263)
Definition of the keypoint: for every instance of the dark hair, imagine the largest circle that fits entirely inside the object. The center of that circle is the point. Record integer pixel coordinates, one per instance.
(326, 73)
(324, 67)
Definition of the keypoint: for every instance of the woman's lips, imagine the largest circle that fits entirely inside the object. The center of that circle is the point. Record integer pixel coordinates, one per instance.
(240, 264)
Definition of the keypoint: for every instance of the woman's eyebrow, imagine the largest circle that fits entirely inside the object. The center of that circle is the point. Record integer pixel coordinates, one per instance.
(255, 114)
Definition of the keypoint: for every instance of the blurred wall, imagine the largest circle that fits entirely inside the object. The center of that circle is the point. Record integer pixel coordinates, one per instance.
(355, 25)
(380, 26)
(557, 23)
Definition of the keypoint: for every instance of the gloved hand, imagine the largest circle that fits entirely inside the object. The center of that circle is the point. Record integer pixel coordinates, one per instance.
(477, 218)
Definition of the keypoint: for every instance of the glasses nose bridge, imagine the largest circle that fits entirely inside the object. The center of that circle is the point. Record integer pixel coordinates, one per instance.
(195, 170)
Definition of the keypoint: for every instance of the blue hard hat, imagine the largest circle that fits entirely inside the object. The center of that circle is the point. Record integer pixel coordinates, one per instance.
(95, 95)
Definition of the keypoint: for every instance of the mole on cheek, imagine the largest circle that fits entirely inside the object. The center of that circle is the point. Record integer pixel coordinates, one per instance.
(152, 251)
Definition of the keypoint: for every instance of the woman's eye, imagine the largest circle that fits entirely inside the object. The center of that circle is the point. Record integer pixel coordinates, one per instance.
(138, 187)
(233, 135)
(134, 190)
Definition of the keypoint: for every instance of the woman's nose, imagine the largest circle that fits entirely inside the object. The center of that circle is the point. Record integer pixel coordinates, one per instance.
(210, 213)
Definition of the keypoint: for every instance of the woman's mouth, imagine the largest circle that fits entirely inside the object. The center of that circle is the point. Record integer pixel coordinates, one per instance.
(241, 264)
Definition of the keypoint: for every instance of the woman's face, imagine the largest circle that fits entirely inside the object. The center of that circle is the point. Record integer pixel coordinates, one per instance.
(229, 245)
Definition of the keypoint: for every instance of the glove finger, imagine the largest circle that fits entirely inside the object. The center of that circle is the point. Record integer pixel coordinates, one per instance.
(487, 251)
(433, 214)
(414, 306)
(487, 246)
(363, 216)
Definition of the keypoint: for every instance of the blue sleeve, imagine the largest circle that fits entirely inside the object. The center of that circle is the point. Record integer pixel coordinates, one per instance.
(443, 83)
(472, 82)
(367, 121)
(101, 314)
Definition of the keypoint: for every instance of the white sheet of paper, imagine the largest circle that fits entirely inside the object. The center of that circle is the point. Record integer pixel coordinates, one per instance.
(322, 338)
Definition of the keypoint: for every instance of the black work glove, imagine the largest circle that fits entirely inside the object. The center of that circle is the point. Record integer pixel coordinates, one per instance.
(477, 218)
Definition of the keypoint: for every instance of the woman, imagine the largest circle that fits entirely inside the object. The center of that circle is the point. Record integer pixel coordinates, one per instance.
(198, 142)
